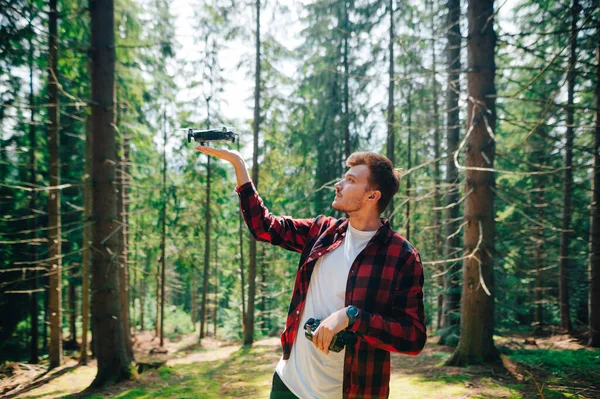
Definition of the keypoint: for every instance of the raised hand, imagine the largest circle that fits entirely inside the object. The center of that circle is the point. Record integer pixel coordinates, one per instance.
(231, 156)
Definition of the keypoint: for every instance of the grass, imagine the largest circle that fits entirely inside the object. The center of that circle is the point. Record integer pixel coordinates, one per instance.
(246, 372)
(583, 363)
(238, 372)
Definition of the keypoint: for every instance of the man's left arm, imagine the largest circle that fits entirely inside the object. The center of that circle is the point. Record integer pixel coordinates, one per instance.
(405, 332)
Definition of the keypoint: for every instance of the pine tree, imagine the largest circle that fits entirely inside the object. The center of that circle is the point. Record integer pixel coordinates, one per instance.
(113, 362)
(476, 342)
(451, 303)
(54, 230)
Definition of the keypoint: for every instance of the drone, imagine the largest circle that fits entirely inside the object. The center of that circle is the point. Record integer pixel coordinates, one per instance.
(205, 136)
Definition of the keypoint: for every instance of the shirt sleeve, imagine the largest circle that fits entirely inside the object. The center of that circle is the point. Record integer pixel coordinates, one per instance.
(405, 332)
(284, 231)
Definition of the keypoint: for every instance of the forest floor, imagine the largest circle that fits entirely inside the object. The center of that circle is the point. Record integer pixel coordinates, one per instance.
(556, 366)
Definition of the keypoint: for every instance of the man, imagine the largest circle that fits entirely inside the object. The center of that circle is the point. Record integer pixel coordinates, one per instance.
(355, 274)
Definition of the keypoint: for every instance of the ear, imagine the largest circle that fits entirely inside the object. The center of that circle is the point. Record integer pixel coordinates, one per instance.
(375, 195)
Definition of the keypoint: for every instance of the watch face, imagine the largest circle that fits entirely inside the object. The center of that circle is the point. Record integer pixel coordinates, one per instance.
(352, 311)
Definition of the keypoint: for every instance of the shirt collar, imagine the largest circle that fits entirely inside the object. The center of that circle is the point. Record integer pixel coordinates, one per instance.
(383, 234)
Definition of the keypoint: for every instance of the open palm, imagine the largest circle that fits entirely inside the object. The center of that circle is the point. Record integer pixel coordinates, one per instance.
(221, 153)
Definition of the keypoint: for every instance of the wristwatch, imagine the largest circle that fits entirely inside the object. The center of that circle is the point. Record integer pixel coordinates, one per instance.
(352, 313)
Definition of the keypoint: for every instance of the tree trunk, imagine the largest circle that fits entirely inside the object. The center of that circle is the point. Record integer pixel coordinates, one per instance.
(163, 245)
(346, 33)
(33, 310)
(194, 299)
(46, 323)
(264, 293)
(539, 233)
(594, 263)
(143, 291)
(134, 282)
(261, 306)
(476, 344)
(72, 312)
(249, 333)
(391, 131)
(207, 215)
(451, 302)
(54, 228)
(87, 238)
(158, 285)
(243, 284)
(409, 156)
(565, 236)
(437, 200)
(122, 238)
(109, 340)
(215, 308)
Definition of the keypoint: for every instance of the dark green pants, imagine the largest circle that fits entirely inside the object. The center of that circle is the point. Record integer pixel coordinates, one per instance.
(279, 390)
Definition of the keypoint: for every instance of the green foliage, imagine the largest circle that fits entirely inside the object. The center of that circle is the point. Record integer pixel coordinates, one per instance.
(177, 322)
(232, 324)
(582, 363)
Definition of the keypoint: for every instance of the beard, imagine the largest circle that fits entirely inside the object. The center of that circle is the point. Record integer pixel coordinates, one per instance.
(346, 205)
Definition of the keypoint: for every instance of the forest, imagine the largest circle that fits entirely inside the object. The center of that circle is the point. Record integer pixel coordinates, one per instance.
(126, 268)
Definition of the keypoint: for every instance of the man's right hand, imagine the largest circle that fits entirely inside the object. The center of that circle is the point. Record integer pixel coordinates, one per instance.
(221, 153)
(231, 156)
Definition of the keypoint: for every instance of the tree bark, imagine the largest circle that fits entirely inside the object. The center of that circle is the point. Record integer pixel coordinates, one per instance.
(54, 228)
(261, 306)
(133, 286)
(87, 239)
(194, 299)
(33, 310)
(143, 291)
(157, 311)
(594, 262)
(216, 289)
(409, 157)
(451, 302)
(539, 231)
(122, 237)
(207, 215)
(346, 33)
(72, 312)
(163, 244)
(437, 200)
(565, 236)
(249, 333)
(476, 344)
(109, 340)
(242, 282)
(391, 131)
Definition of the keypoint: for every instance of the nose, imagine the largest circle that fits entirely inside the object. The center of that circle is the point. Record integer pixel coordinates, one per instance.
(338, 185)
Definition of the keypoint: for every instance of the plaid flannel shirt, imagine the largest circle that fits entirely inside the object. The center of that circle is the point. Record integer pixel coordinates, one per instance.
(385, 283)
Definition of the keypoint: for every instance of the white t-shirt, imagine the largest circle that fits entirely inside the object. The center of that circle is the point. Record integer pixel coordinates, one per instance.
(309, 373)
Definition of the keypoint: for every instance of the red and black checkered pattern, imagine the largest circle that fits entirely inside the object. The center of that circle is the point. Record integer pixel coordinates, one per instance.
(385, 283)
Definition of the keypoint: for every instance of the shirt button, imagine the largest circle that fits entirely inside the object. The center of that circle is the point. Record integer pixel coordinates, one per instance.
(319, 254)
(297, 312)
